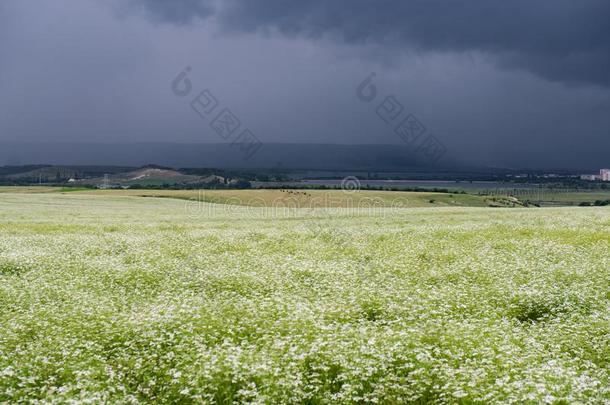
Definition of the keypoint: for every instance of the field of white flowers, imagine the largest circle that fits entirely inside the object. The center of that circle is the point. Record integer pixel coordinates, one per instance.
(133, 300)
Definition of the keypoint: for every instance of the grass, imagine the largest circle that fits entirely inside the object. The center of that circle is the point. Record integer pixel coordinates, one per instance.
(574, 198)
(113, 298)
(311, 198)
(28, 189)
(293, 198)
(549, 196)
(366, 198)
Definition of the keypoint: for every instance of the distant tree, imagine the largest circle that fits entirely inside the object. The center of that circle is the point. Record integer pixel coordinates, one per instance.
(242, 184)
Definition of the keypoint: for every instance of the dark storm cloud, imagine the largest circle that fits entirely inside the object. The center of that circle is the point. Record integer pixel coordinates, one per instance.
(182, 11)
(100, 71)
(561, 40)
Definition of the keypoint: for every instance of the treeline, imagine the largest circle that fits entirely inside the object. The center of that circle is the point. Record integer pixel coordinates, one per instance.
(249, 175)
(239, 185)
(597, 203)
(365, 187)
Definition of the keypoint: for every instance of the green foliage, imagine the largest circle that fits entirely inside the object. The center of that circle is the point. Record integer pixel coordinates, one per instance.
(115, 299)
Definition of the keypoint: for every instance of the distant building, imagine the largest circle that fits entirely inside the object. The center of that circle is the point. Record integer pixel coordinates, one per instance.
(589, 177)
(604, 174)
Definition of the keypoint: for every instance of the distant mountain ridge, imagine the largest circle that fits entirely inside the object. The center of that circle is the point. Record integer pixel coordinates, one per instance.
(224, 156)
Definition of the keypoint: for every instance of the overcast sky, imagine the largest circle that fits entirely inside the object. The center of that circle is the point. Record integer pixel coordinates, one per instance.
(499, 82)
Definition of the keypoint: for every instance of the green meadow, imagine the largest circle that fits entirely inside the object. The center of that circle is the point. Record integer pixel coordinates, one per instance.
(109, 297)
